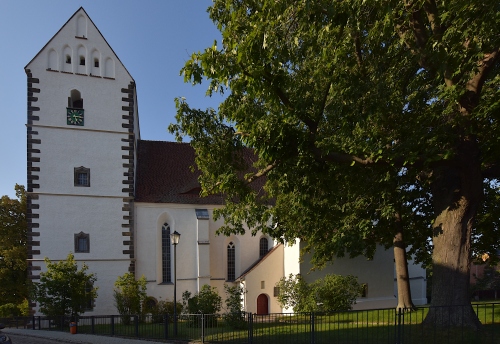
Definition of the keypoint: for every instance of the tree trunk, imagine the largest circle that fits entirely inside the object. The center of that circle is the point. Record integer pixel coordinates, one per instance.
(457, 192)
(405, 302)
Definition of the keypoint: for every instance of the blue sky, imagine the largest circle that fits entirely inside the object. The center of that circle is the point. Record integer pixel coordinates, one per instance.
(152, 38)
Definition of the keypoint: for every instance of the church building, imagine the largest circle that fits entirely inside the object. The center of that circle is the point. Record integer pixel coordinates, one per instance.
(98, 190)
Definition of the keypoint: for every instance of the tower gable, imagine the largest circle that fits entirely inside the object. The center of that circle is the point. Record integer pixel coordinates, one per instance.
(80, 48)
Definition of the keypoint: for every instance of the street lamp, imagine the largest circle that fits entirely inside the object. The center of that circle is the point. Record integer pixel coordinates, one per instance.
(174, 239)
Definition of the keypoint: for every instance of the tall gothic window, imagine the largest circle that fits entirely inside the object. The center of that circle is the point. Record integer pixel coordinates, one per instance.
(231, 262)
(166, 266)
(263, 247)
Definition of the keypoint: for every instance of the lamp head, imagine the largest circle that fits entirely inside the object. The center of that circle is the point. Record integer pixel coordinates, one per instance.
(174, 238)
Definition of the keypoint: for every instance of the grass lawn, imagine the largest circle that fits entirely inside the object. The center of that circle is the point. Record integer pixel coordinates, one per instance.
(374, 326)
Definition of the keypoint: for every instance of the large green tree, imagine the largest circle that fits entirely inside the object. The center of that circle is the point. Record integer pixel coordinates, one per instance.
(369, 120)
(13, 250)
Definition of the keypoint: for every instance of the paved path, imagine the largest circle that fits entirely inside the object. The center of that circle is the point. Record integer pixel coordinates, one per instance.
(66, 337)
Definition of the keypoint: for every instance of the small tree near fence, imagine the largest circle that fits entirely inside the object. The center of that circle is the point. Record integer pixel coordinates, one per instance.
(65, 290)
(129, 294)
(328, 294)
(234, 315)
(206, 301)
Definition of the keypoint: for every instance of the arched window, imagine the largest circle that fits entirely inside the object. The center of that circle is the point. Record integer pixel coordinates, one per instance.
(53, 60)
(109, 68)
(67, 53)
(231, 262)
(96, 63)
(166, 266)
(81, 26)
(263, 247)
(75, 100)
(81, 63)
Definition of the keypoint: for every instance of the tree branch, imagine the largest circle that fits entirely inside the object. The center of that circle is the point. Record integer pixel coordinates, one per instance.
(474, 86)
(491, 171)
(263, 172)
(433, 18)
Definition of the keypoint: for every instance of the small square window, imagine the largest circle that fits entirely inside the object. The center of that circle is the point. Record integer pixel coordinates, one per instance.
(96, 63)
(82, 176)
(262, 284)
(82, 61)
(68, 59)
(276, 291)
(82, 243)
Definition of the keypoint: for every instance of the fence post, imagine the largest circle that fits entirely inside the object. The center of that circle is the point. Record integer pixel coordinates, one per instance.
(165, 326)
(136, 325)
(203, 327)
(92, 324)
(398, 330)
(311, 322)
(112, 325)
(33, 323)
(250, 328)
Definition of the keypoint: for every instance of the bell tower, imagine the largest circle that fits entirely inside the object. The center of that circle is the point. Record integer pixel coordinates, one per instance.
(82, 130)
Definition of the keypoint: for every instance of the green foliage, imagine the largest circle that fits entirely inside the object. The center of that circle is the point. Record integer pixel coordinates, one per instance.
(158, 309)
(234, 315)
(490, 280)
(295, 293)
(336, 293)
(206, 301)
(9, 310)
(342, 116)
(328, 294)
(129, 294)
(64, 289)
(13, 251)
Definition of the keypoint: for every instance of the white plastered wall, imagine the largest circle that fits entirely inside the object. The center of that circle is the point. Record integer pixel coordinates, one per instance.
(65, 209)
(191, 260)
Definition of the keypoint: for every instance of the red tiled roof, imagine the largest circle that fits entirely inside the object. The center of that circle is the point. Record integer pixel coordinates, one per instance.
(164, 174)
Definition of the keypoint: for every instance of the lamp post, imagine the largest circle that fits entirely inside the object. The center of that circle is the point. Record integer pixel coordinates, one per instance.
(174, 239)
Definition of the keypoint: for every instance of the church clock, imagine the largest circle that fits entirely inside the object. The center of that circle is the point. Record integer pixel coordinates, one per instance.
(74, 116)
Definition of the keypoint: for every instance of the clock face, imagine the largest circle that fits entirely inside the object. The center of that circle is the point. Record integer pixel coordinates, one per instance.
(74, 116)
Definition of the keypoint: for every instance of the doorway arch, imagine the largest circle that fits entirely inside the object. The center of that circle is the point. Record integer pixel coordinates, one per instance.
(262, 304)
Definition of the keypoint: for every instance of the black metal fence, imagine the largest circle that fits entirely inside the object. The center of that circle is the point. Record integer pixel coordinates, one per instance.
(366, 326)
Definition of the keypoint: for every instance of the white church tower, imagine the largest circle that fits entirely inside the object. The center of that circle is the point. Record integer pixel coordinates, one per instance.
(82, 130)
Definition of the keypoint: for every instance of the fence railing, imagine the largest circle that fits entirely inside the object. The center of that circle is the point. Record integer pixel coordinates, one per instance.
(366, 326)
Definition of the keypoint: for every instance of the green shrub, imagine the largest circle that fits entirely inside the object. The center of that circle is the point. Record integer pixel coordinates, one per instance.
(129, 295)
(9, 310)
(234, 316)
(206, 301)
(162, 308)
(331, 293)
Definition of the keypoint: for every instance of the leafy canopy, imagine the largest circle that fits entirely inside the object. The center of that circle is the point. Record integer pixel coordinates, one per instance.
(129, 294)
(13, 249)
(352, 110)
(64, 289)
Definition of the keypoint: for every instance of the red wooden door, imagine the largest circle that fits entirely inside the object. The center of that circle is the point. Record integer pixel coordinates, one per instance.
(262, 304)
